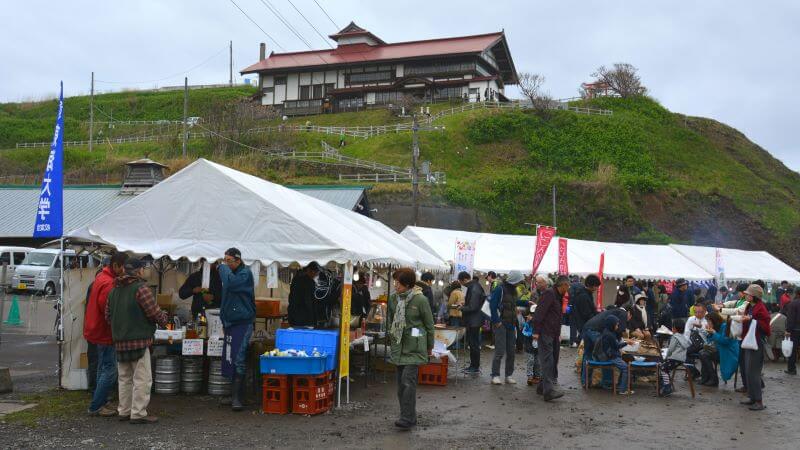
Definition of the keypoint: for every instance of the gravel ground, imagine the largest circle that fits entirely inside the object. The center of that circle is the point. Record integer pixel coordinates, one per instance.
(467, 414)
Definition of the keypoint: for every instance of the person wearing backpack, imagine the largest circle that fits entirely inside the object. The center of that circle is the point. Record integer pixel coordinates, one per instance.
(503, 306)
(608, 349)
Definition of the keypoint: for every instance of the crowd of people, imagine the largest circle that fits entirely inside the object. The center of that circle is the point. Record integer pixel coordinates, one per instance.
(708, 334)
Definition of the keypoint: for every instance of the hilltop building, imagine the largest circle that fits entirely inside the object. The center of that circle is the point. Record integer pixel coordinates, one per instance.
(364, 71)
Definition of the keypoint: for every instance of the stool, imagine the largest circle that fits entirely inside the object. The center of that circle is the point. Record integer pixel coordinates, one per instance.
(587, 380)
(687, 369)
(646, 366)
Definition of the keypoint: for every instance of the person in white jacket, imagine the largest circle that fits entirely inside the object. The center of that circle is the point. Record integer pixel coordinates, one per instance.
(734, 307)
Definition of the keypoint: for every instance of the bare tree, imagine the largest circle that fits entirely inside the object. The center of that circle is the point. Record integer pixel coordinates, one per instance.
(622, 79)
(531, 86)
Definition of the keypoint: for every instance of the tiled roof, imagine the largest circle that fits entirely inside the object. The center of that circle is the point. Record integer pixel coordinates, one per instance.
(365, 53)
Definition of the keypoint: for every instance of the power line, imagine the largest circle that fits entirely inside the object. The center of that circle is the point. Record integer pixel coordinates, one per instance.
(259, 26)
(310, 24)
(277, 14)
(183, 72)
(326, 15)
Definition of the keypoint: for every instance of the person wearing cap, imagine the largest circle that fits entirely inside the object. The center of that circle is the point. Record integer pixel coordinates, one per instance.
(237, 312)
(133, 314)
(736, 306)
(97, 332)
(547, 332)
(681, 299)
(754, 359)
(503, 307)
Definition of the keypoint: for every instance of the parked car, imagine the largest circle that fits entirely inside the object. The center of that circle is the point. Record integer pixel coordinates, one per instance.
(41, 270)
(11, 257)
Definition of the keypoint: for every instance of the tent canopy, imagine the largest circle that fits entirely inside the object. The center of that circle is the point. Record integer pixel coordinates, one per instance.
(207, 208)
(741, 265)
(503, 253)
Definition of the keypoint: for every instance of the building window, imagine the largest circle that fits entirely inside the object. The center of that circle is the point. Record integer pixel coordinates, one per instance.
(280, 80)
(369, 77)
(328, 88)
(448, 92)
(351, 103)
(383, 98)
(305, 92)
(317, 91)
(440, 67)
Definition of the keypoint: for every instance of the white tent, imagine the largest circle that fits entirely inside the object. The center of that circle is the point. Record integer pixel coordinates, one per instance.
(207, 208)
(741, 265)
(503, 253)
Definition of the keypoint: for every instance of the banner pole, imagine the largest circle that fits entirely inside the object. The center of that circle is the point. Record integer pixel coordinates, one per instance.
(60, 330)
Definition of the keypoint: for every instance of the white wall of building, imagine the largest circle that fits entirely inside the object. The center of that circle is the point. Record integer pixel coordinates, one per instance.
(292, 86)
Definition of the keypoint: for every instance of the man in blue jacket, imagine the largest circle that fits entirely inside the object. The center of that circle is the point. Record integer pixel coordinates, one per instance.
(681, 299)
(238, 312)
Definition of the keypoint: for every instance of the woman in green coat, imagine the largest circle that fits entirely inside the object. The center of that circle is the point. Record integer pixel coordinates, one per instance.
(410, 328)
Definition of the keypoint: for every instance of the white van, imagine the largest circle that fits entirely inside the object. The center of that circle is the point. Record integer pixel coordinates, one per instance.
(11, 257)
(41, 269)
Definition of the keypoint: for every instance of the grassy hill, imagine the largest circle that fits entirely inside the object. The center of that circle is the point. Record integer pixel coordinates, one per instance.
(644, 174)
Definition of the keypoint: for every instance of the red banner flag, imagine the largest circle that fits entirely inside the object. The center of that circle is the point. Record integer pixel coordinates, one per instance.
(563, 267)
(600, 290)
(543, 237)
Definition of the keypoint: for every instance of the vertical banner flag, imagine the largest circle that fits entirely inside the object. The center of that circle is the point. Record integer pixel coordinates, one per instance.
(563, 267)
(50, 209)
(344, 322)
(464, 258)
(272, 275)
(206, 275)
(602, 285)
(720, 271)
(543, 237)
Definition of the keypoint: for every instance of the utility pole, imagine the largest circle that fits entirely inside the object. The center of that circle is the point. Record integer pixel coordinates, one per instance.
(414, 171)
(230, 64)
(554, 206)
(91, 114)
(185, 110)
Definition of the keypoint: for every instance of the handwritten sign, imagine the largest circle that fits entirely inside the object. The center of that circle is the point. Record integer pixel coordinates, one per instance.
(464, 258)
(214, 347)
(192, 347)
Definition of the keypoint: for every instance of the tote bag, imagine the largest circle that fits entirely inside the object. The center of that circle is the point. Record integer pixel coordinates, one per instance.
(749, 341)
(786, 347)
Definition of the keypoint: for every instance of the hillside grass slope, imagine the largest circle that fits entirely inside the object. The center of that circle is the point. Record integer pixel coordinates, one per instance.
(643, 174)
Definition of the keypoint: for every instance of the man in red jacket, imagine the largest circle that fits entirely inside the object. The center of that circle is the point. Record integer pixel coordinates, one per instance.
(547, 331)
(97, 331)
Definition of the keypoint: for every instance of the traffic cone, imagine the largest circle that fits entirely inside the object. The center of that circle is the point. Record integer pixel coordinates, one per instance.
(13, 314)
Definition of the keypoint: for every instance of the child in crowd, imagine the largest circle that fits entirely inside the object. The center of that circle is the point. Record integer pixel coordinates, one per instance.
(533, 370)
(676, 355)
(610, 345)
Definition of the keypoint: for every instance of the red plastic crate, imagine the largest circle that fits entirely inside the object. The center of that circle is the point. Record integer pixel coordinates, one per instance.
(434, 374)
(275, 394)
(312, 394)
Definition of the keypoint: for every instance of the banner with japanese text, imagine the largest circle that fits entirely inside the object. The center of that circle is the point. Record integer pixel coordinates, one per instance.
(563, 266)
(344, 322)
(720, 275)
(544, 235)
(50, 208)
(602, 284)
(464, 257)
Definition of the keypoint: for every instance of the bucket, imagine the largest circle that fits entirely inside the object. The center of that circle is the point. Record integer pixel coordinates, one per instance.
(168, 374)
(191, 374)
(217, 384)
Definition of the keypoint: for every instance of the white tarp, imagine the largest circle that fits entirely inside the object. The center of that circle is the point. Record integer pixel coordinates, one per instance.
(207, 208)
(741, 265)
(503, 253)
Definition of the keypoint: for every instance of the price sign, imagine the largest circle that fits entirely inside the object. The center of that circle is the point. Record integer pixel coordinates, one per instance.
(214, 347)
(192, 347)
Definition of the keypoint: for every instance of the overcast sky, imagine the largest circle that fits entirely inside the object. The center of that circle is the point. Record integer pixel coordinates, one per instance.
(734, 61)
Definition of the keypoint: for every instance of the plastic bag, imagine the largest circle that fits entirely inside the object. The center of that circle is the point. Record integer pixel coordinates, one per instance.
(786, 347)
(749, 341)
(736, 329)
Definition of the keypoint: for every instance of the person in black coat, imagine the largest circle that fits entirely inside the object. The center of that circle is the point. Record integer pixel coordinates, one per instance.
(472, 318)
(201, 301)
(301, 297)
(361, 301)
(583, 308)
